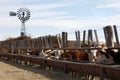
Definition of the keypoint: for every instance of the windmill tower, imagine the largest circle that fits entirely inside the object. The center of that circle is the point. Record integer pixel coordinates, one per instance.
(23, 15)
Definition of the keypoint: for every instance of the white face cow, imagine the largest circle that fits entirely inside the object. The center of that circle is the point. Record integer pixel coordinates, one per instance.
(57, 53)
(42, 54)
(51, 54)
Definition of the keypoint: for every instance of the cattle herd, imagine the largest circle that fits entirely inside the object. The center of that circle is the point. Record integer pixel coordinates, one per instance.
(78, 65)
(103, 55)
(86, 58)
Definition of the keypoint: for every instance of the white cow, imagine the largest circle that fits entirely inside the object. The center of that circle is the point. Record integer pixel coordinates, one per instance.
(57, 54)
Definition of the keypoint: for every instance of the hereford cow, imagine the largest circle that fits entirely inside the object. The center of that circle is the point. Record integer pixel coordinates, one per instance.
(48, 54)
(56, 54)
(74, 54)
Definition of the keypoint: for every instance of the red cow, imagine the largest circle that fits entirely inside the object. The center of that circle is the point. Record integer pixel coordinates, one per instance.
(75, 54)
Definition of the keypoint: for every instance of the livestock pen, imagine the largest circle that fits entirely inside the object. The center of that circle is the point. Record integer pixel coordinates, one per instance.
(15, 50)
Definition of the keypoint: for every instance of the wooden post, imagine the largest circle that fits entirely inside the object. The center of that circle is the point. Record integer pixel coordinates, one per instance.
(46, 42)
(39, 42)
(96, 36)
(76, 38)
(64, 42)
(59, 40)
(32, 43)
(77, 33)
(29, 43)
(18, 46)
(42, 41)
(116, 35)
(12, 47)
(108, 31)
(21, 46)
(1, 46)
(64, 39)
(84, 35)
(105, 34)
(50, 41)
(90, 39)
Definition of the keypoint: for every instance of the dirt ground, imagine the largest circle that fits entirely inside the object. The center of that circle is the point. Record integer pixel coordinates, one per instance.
(14, 71)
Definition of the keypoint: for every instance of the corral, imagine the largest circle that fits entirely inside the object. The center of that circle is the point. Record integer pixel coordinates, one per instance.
(14, 50)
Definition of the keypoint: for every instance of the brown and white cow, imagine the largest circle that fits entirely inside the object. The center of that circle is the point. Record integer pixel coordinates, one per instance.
(74, 54)
(109, 56)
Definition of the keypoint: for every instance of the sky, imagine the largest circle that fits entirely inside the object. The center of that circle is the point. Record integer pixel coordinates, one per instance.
(51, 17)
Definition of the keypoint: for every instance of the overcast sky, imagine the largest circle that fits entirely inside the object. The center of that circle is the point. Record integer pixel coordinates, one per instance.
(55, 16)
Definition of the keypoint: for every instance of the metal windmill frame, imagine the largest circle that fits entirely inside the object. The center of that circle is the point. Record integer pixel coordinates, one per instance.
(23, 15)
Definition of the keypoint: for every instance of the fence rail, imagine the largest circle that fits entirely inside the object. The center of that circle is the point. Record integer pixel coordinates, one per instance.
(103, 71)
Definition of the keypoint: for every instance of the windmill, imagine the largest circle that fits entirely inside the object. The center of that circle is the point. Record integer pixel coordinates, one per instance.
(23, 15)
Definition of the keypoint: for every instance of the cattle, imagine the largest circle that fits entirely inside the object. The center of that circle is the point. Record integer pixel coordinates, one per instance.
(33, 52)
(42, 54)
(115, 54)
(48, 54)
(109, 56)
(56, 54)
(74, 55)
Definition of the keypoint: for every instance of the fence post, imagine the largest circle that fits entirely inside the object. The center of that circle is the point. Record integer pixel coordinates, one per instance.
(64, 39)
(90, 39)
(18, 46)
(46, 42)
(116, 35)
(84, 35)
(41, 43)
(50, 41)
(12, 47)
(64, 42)
(108, 31)
(77, 33)
(97, 40)
(59, 41)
